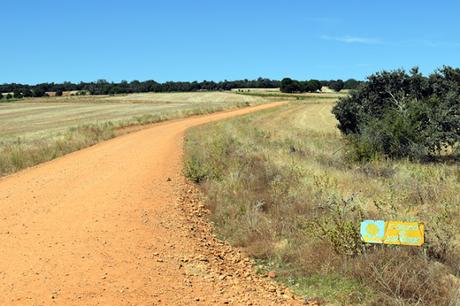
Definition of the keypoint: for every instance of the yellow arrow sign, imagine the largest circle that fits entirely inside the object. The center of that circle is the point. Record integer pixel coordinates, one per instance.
(393, 232)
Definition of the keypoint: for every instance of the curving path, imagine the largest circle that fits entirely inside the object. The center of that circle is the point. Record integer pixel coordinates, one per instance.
(102, 226)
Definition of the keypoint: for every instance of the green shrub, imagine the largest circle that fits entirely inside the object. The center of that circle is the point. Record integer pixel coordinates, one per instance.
(403, 115)
(195, 170)
(337, 223)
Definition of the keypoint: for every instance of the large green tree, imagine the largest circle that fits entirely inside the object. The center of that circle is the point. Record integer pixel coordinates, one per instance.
(351, 84)
(401, 114)
(290, 86)
(336, 85)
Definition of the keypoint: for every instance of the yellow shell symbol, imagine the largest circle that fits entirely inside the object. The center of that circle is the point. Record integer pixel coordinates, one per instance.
(372, 229)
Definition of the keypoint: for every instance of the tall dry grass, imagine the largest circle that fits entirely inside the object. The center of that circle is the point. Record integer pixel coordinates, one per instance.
(279, 185)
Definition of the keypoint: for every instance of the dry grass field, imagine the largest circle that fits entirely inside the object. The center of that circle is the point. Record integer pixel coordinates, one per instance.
(39, 129)
(280, 185)
(275, 93)
(42, 116)
(256, 89)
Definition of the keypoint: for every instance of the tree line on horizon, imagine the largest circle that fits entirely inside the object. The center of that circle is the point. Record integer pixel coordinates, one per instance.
(289, 85)
(103, 87)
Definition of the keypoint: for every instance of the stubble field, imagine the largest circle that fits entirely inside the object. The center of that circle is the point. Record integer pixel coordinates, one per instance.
(42, 116)
(40, 129)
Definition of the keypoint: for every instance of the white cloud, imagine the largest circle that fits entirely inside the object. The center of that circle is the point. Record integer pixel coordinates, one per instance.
(353, 40)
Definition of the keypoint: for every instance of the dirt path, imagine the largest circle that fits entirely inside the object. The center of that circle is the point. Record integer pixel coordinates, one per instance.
(109, 225)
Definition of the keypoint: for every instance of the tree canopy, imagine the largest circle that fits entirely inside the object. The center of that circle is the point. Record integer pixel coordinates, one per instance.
(292, 86)
(337, 85)
(351, 84)
(400, 114)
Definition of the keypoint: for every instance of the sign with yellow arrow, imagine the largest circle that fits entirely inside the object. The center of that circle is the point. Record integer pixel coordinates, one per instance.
(393, 232)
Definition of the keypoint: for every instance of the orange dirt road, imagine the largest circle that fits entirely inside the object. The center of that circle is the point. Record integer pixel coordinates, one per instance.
(103, 226)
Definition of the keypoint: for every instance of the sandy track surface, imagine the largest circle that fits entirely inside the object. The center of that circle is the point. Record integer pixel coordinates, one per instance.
(110, 225)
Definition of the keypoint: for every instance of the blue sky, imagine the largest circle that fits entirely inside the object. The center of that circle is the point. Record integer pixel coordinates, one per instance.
(58, 40)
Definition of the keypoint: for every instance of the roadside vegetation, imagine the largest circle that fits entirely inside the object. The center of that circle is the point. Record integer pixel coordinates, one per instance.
(36, 131)
(280, 184)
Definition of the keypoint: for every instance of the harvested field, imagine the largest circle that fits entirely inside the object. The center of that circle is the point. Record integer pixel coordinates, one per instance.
(41, 116)
(37, 130)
